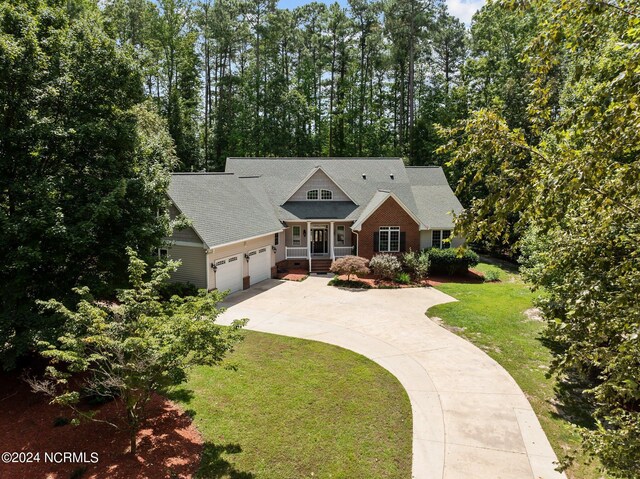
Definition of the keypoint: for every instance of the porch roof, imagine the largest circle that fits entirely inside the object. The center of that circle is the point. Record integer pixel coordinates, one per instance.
(308, 210)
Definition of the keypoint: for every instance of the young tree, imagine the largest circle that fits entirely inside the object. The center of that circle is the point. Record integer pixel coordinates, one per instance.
(133, 348)
(350, 265)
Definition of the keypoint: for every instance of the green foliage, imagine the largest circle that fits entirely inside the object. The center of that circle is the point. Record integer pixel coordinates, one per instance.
(573, 184)
(350, 265)
(169, 289)
(345, 283)
(134, 347)
(451, 261)
(386, 266)
(403, 278)
(416, 263)
(492, 276)
(83, 164)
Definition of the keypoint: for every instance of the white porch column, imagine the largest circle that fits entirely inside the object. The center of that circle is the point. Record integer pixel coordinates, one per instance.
(331, 252)
(309, 243)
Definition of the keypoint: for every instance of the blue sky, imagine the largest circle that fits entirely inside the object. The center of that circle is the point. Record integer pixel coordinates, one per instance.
(463, 9)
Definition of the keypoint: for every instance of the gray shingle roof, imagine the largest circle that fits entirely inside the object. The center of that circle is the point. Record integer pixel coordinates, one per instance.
(434, 197)
(423, 190)
(223, 208)
(251, 198)
(281, 176)
(302, 210)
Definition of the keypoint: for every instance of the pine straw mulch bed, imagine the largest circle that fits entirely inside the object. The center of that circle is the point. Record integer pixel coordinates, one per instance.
(169, 445)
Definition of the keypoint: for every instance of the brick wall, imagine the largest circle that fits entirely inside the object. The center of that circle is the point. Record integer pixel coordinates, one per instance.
(390, 213)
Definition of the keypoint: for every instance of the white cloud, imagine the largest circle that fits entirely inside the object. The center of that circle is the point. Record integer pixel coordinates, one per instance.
(464, 9)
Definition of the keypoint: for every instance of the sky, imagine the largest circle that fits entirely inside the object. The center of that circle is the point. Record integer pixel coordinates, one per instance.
(463, 9)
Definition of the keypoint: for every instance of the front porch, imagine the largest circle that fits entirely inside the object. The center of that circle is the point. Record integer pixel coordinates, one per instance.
(319, 243)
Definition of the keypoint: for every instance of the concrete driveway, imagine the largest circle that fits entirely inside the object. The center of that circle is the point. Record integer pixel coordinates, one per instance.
(470, 418)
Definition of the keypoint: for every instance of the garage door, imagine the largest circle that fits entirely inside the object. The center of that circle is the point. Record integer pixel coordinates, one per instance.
(260, 264)
(229, 273)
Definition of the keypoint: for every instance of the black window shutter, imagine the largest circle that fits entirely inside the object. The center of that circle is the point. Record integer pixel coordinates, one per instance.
(403, 241)
(376, 241)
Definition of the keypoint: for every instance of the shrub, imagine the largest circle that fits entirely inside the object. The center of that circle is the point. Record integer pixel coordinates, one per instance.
(350, 265)
(385, 265)
(168, 289)
(343, 283)
(417, 264)
(451, 261)
(492, 275)
(403, 278)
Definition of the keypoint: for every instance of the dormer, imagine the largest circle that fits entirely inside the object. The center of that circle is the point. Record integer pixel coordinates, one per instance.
(318, 186)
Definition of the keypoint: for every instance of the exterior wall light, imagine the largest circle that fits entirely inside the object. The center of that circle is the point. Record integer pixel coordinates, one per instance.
(246, 256)
(273, 248)
(214, 267)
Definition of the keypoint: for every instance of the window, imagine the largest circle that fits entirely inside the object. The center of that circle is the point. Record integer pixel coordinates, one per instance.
(389, 240)
(340, 234)
(326, 195)
(446, 242)
(296, 235)
(435, 239)
(312, 194)
(441, 239)
(163, 253)
(276, 240)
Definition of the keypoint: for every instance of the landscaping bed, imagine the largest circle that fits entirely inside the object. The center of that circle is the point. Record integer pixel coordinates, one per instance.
(169, 445)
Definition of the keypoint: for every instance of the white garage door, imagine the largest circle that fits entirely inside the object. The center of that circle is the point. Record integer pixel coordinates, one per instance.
(229, 273)
(260, 264)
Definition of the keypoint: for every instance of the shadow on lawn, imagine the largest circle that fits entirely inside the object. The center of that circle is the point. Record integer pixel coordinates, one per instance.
(571, 404)
(214, 466)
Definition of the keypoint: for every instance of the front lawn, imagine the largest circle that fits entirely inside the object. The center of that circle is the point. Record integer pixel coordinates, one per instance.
(492, 316)
(299, 409)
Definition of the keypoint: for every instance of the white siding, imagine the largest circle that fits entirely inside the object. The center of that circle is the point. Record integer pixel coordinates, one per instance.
(319, 181)
(193, 267)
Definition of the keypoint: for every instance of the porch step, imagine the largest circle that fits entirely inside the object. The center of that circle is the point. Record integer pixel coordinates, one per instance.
(320, 265)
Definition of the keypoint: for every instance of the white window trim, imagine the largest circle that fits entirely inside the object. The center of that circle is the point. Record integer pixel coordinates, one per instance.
(166, 253)
(388, 229)
(344, 235)
(317, 192)
(296, 242)
(322, 191)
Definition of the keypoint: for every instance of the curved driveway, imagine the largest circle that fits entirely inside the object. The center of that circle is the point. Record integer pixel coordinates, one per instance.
(470, 418)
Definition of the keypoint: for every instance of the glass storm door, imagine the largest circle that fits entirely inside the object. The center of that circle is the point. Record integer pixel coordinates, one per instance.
(319, 241)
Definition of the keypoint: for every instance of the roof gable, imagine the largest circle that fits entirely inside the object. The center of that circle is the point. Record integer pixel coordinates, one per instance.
(318, 179)
(376, 202)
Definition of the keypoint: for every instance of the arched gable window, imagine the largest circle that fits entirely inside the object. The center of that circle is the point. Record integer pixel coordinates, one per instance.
(312, 194)
(326, 195)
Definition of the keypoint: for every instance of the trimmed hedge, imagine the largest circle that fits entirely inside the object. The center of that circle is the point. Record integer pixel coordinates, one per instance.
(451, 261)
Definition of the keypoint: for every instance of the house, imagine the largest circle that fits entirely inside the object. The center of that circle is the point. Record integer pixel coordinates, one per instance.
(262, 214)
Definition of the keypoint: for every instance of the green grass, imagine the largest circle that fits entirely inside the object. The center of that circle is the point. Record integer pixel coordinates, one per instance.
(491, 316)
(299, 409)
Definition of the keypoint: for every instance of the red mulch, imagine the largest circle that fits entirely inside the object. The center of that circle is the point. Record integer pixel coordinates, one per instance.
(169, 445)
(472, 276)
(293, 275)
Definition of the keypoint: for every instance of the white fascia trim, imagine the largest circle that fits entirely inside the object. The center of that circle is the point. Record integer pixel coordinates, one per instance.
(421, 226)
(211, 250)
(187, 243)
(313, 172)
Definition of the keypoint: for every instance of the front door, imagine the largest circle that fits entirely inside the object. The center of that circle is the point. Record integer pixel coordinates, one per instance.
(319, 241)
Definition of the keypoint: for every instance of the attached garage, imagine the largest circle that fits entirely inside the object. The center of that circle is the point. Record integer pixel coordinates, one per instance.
(228, 273)
(259, 265)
